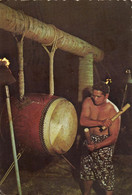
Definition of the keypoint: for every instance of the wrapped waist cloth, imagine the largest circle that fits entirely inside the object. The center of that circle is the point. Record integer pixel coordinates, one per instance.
(97, 165)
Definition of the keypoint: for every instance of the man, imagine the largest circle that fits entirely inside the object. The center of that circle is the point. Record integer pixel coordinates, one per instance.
(97, 111)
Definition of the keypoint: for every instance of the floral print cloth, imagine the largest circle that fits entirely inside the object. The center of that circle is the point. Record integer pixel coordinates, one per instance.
(97, 165)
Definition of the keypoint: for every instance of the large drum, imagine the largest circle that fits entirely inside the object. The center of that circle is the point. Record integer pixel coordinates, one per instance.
(44, 123)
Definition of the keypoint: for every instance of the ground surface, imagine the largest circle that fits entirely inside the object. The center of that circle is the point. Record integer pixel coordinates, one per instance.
(58, 178)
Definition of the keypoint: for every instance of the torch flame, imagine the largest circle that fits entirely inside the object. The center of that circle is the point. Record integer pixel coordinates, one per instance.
(5, 62)
(108, 81)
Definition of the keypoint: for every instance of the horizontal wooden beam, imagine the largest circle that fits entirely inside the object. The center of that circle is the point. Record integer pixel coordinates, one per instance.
(19, 23)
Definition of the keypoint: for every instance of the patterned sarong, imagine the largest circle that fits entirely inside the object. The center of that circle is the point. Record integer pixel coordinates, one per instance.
(97, 165)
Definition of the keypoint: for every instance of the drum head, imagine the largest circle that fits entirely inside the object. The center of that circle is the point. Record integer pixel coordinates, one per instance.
(59, 126)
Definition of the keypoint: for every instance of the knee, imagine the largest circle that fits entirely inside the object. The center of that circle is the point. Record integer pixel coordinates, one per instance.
(87, 187)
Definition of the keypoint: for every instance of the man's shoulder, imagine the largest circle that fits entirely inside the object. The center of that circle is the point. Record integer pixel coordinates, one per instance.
(112, 106)
(87, 100)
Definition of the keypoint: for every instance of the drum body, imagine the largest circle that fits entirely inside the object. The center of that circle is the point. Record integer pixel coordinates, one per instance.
(44, 123)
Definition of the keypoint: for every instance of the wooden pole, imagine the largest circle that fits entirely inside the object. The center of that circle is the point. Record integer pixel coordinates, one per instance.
(13, 139)
(85, 75)
(19, 23)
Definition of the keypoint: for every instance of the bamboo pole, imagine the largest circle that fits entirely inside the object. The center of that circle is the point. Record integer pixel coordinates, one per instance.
(19, 23)
(13, 139)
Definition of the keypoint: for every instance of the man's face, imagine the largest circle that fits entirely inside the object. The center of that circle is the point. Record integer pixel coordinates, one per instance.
(98, 97)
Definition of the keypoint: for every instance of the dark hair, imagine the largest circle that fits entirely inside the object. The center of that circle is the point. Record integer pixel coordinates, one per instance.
(102, 86)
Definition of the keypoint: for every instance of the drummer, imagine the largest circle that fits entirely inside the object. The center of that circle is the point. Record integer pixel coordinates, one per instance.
(97, 163)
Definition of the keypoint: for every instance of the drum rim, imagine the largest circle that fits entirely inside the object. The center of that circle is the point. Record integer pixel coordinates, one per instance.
(41, 124)
(44, 125)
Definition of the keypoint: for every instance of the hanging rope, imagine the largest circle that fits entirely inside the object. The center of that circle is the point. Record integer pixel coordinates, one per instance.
(21, 66)
(51, 64)
(20, 55)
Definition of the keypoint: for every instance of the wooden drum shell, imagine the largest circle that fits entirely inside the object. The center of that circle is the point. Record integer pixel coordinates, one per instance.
(44, 123)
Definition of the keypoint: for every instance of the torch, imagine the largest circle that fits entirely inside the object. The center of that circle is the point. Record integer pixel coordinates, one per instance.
(6, 78)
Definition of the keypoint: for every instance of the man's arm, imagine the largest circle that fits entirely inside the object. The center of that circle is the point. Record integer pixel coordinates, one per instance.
(114, 131)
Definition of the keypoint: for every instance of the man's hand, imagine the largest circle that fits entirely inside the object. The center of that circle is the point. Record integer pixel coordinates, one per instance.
(107, 123)
(91, 147)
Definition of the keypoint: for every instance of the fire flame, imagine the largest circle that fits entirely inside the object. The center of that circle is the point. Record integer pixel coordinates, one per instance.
(5, 62)
(108, 81)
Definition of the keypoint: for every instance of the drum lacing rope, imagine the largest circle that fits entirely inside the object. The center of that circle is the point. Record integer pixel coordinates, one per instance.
(11, 167)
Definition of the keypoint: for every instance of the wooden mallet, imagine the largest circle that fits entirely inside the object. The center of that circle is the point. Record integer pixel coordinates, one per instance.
(123, 109)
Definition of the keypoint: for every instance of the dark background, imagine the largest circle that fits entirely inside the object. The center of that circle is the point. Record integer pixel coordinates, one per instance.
(104, 24)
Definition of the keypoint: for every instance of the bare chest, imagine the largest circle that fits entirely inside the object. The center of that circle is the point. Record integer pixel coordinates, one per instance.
(99, 113)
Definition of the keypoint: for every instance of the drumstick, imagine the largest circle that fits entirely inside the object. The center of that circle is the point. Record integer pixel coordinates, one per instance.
(87, 134)
(117, 115)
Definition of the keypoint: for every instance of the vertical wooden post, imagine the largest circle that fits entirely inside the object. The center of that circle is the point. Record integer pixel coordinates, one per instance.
(85, 74)
(21, 69)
